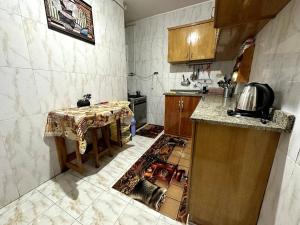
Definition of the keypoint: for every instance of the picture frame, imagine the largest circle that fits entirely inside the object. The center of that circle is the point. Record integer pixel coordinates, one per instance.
(71, 17)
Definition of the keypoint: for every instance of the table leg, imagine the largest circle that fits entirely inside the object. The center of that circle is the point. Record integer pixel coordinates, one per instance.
(79, 159)
(95, 147)
(62, 156)
(61, 152)
(105, 134)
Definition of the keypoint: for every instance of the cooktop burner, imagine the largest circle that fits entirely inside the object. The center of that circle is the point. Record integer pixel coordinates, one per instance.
(134, 96)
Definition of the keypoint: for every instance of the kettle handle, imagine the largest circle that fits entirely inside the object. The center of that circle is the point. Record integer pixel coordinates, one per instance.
(268, 98)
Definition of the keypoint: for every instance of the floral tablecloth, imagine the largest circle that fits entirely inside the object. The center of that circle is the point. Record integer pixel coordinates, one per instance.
(73, 123)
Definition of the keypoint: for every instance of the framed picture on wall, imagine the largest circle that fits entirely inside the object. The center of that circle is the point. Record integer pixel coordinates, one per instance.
(72, 17)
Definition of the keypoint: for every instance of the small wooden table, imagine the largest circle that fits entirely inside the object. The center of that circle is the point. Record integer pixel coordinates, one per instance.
(75, 122)
(66, 160)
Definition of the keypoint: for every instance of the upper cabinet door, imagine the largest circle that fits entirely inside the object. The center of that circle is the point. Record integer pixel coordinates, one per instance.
(203, 41)
(179, 47)
(192, 42)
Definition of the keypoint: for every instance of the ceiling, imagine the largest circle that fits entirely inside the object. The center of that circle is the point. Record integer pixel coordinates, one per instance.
(139, 9)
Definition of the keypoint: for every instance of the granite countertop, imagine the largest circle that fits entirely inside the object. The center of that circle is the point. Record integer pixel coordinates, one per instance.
(213, 109)
(183, 93)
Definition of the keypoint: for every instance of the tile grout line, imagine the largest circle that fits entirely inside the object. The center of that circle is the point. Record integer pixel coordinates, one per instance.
(45, 197)
(89, 206)
(121, 212)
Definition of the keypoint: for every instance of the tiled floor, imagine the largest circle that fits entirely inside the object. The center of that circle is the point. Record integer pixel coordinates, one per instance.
(71, 198)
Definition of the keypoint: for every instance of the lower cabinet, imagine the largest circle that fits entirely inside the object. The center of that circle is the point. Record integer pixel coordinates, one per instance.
(178, 110)
(229, 173)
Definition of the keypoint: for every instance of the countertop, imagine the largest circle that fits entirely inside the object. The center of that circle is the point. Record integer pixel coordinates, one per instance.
(190, 94)
(213, 109)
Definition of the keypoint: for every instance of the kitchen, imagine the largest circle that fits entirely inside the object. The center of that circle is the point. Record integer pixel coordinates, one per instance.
(176, 125)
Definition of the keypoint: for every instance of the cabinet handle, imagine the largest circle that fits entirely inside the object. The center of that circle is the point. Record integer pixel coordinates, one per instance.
(191, 55)
(179, 106)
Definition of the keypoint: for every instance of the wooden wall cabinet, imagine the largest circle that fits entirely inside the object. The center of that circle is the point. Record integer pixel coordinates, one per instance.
(178, 110)
(192, 42)
(231, 13)
(239, 20)
(179, 47)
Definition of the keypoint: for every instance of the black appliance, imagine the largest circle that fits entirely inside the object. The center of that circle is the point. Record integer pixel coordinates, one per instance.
(138, 105)
(255, 101)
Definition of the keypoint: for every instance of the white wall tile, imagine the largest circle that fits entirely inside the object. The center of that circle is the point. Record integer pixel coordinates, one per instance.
(8, 188)
(26, 151)
(279, 181)
(13, 51)
(34, 10)
(17, 93)
(11, 6)
(276, 62)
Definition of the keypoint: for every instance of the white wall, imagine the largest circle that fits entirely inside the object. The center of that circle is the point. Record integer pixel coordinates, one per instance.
(277, 62)
(42, 70)
(147, 44)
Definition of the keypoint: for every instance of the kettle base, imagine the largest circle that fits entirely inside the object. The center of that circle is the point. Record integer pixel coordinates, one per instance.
(263, 119)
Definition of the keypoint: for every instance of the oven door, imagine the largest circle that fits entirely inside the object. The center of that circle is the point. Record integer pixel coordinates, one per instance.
(140, 113)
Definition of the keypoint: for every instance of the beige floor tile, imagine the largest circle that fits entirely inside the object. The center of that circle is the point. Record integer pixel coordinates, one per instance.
(133, 215)
(164, 220)
(186, 156)
(176, 154)
(175, 192)
(188, 149)
(77, 223)
(162, 184)
(105, 210)
(78, 200)
(173, 160)
(26, 209)
(170, 208)
(175, 182)
(184, 162)
(54, 215)
(178, 149)
(58, 187)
